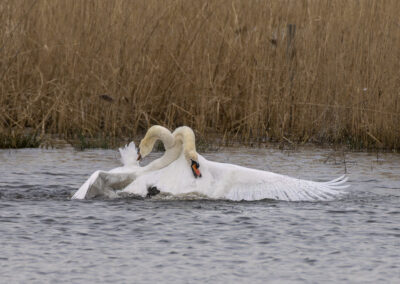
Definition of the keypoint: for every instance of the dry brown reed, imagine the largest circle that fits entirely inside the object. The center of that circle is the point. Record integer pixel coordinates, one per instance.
(229, 69)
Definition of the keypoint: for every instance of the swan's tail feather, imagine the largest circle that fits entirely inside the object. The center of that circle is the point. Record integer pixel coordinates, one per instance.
(129, 155)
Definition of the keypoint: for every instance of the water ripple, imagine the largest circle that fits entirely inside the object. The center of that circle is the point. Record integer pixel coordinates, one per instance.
(46, 237)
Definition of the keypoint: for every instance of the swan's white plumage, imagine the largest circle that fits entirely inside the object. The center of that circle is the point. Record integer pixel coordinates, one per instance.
(172, 174)
(227, 181)
(129, 155)
(104, 183)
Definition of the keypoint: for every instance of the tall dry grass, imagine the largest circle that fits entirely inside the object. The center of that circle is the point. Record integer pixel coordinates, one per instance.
(226, 68)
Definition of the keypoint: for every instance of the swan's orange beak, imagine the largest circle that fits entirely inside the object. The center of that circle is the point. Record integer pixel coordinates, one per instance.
(139, 157)
(195, 169)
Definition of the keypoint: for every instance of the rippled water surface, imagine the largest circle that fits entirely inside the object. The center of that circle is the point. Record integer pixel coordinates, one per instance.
(46, 237)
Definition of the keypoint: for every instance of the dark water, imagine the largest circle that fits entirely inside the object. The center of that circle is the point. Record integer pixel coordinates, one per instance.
(45, 237)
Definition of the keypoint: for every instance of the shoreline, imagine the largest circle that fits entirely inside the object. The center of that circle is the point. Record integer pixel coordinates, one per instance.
(214, 143)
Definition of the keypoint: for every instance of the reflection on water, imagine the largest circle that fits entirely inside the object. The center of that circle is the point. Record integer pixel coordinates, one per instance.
(45, 236)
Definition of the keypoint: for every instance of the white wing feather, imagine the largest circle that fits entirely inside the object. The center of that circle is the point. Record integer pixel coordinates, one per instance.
(104, 183)
(240, 183)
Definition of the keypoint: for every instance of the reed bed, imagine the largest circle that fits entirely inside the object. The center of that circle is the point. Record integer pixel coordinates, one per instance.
(298, 71)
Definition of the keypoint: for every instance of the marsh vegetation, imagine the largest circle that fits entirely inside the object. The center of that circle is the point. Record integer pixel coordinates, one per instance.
(298, 71)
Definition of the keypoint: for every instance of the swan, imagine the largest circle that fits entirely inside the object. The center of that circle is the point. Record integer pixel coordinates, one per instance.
(106, 182)
(228, 181)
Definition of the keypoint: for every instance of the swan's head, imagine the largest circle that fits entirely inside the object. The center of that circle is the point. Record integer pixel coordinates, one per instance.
(154, 133)
(193, 159)
(144, 149)
(185, 135)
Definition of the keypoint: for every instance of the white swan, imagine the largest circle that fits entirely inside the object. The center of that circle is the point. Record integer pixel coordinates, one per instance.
(105, 183)
(227, 181)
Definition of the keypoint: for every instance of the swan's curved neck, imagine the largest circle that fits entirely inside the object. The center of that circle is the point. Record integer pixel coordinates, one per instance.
(185, 136)
(172, 148)
(157, 132)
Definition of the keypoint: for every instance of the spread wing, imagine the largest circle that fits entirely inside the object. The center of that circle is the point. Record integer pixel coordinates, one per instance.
(102, 183)
(242, 183)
